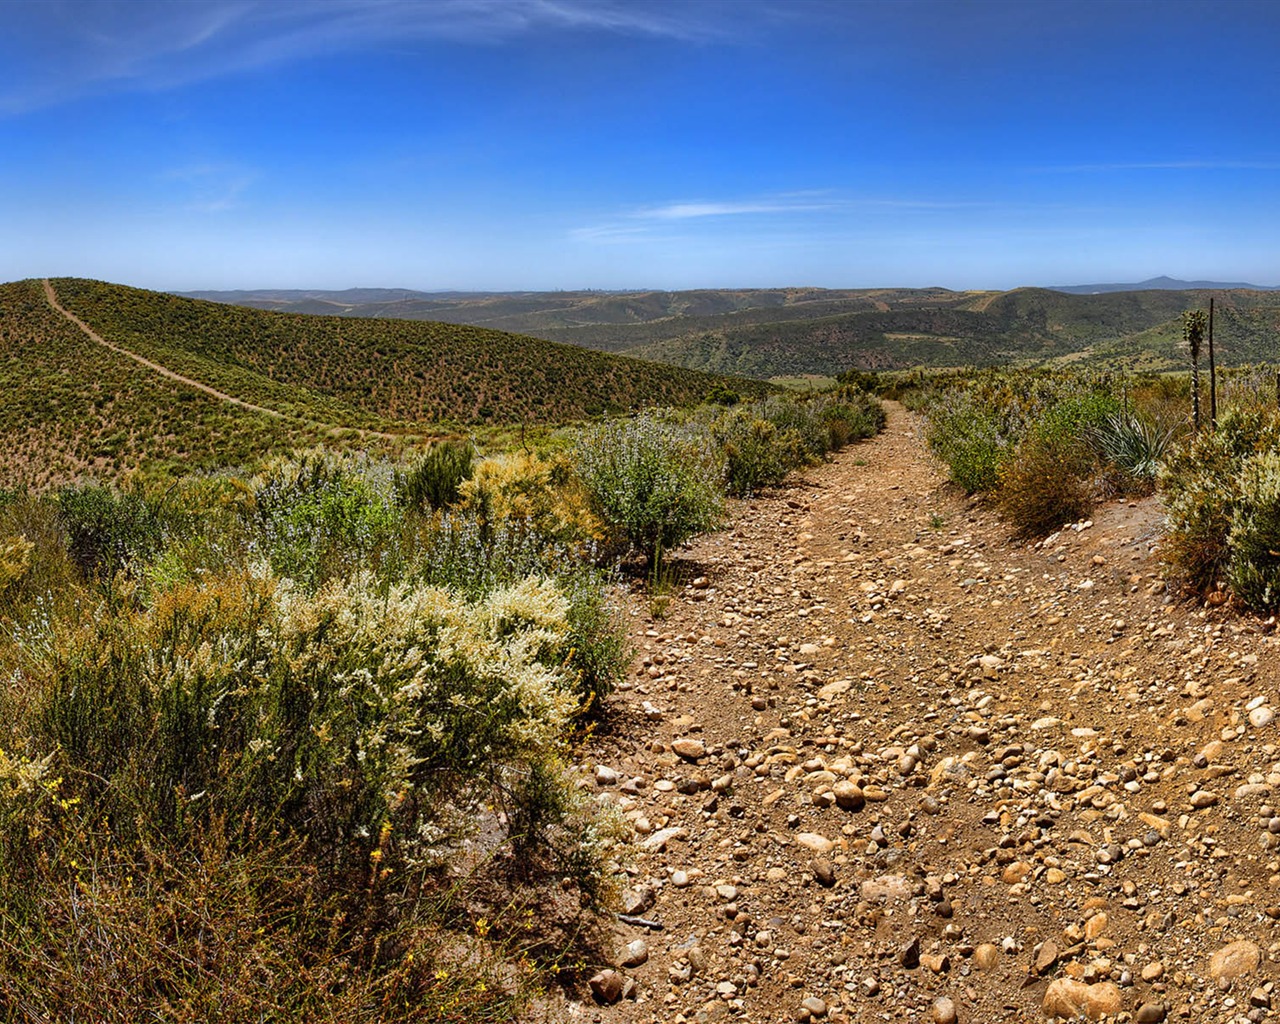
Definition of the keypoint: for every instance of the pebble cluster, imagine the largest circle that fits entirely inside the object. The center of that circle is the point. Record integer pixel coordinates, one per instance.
(880, 762)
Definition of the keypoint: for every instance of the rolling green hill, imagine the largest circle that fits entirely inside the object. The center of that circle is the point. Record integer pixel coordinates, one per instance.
(74, 406)
(768, 333)
(1027, 325)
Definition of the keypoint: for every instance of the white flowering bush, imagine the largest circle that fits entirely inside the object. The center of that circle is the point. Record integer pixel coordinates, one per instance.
(355, 716)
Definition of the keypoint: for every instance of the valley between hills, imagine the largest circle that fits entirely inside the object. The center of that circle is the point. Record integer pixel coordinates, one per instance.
(796, 332)
(853, 750)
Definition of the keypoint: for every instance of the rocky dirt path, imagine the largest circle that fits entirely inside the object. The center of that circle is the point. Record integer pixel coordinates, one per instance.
(882, 763)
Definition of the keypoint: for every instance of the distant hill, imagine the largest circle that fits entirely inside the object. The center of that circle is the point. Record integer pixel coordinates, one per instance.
(1161, 284)
(783, 332)
(73, 406)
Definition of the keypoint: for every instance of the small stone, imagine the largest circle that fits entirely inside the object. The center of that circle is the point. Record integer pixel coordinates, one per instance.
(606, 986)
(814, 1006)
(909, 956)
(689, 749)
(1016, 872)
(1046, 956)
(635, 954)
(1261, 717)
(637, 901)
(680, 879)
(986, 956)
(848, 795)
(659, 839)
(943, 1011)
(819, 844)
(1235, 961)
(824, 871)
(1151, 1013)
(606, 776)
(1203, 798)
(1153, 972)
(938, 963)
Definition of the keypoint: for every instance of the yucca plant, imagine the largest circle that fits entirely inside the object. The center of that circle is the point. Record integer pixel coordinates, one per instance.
(1134, 446)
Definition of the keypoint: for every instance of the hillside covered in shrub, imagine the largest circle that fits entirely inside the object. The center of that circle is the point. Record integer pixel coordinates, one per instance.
(783, 332)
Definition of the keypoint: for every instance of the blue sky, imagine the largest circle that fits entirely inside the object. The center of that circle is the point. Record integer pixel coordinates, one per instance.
(549, 144)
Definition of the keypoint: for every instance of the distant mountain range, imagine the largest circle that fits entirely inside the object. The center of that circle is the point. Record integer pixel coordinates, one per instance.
(1167, 284)
(770, 333)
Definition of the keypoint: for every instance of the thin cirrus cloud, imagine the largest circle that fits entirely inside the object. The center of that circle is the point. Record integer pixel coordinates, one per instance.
(641, 225)
(58, 50)
(210, 187)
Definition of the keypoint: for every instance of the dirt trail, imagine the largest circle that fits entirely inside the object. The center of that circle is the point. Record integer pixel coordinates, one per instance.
(52, 295)
(163, 371)
(881, 762)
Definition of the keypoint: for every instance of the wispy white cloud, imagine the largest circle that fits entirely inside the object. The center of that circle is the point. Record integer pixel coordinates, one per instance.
(211, 187)
(641, 225)
(65, 48)
(688, 210)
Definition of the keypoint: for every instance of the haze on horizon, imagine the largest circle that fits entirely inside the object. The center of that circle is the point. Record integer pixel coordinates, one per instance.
(545, 144)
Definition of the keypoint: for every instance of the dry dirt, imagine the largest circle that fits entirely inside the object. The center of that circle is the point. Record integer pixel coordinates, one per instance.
(881, 762)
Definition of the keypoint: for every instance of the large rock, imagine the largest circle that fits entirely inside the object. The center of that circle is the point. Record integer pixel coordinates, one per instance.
(1234, 961)
(607, 986)
(1067, 999)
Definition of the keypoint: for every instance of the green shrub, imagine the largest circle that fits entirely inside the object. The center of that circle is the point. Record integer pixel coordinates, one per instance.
(753, 456)
(1253, 568)
(850, 415)
(1200, 486)
(657, 483)
(319, 514)
(1050, 482)
(973, 439)
(434, 481)
(764, 441)
(106, 531)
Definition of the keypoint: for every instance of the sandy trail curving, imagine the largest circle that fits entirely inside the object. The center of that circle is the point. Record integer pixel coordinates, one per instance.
(52, 296)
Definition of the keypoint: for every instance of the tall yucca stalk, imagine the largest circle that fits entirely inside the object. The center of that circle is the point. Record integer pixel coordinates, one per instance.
(1193, 329)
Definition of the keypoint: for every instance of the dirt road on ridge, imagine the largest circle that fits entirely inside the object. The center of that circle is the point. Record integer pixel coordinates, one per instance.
(882, 763)
(52, 295)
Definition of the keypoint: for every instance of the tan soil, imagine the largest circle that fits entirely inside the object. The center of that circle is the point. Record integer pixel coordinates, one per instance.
(1054, 756)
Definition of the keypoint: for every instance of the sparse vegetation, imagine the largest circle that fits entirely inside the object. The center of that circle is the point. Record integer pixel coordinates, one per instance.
(390, 375)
